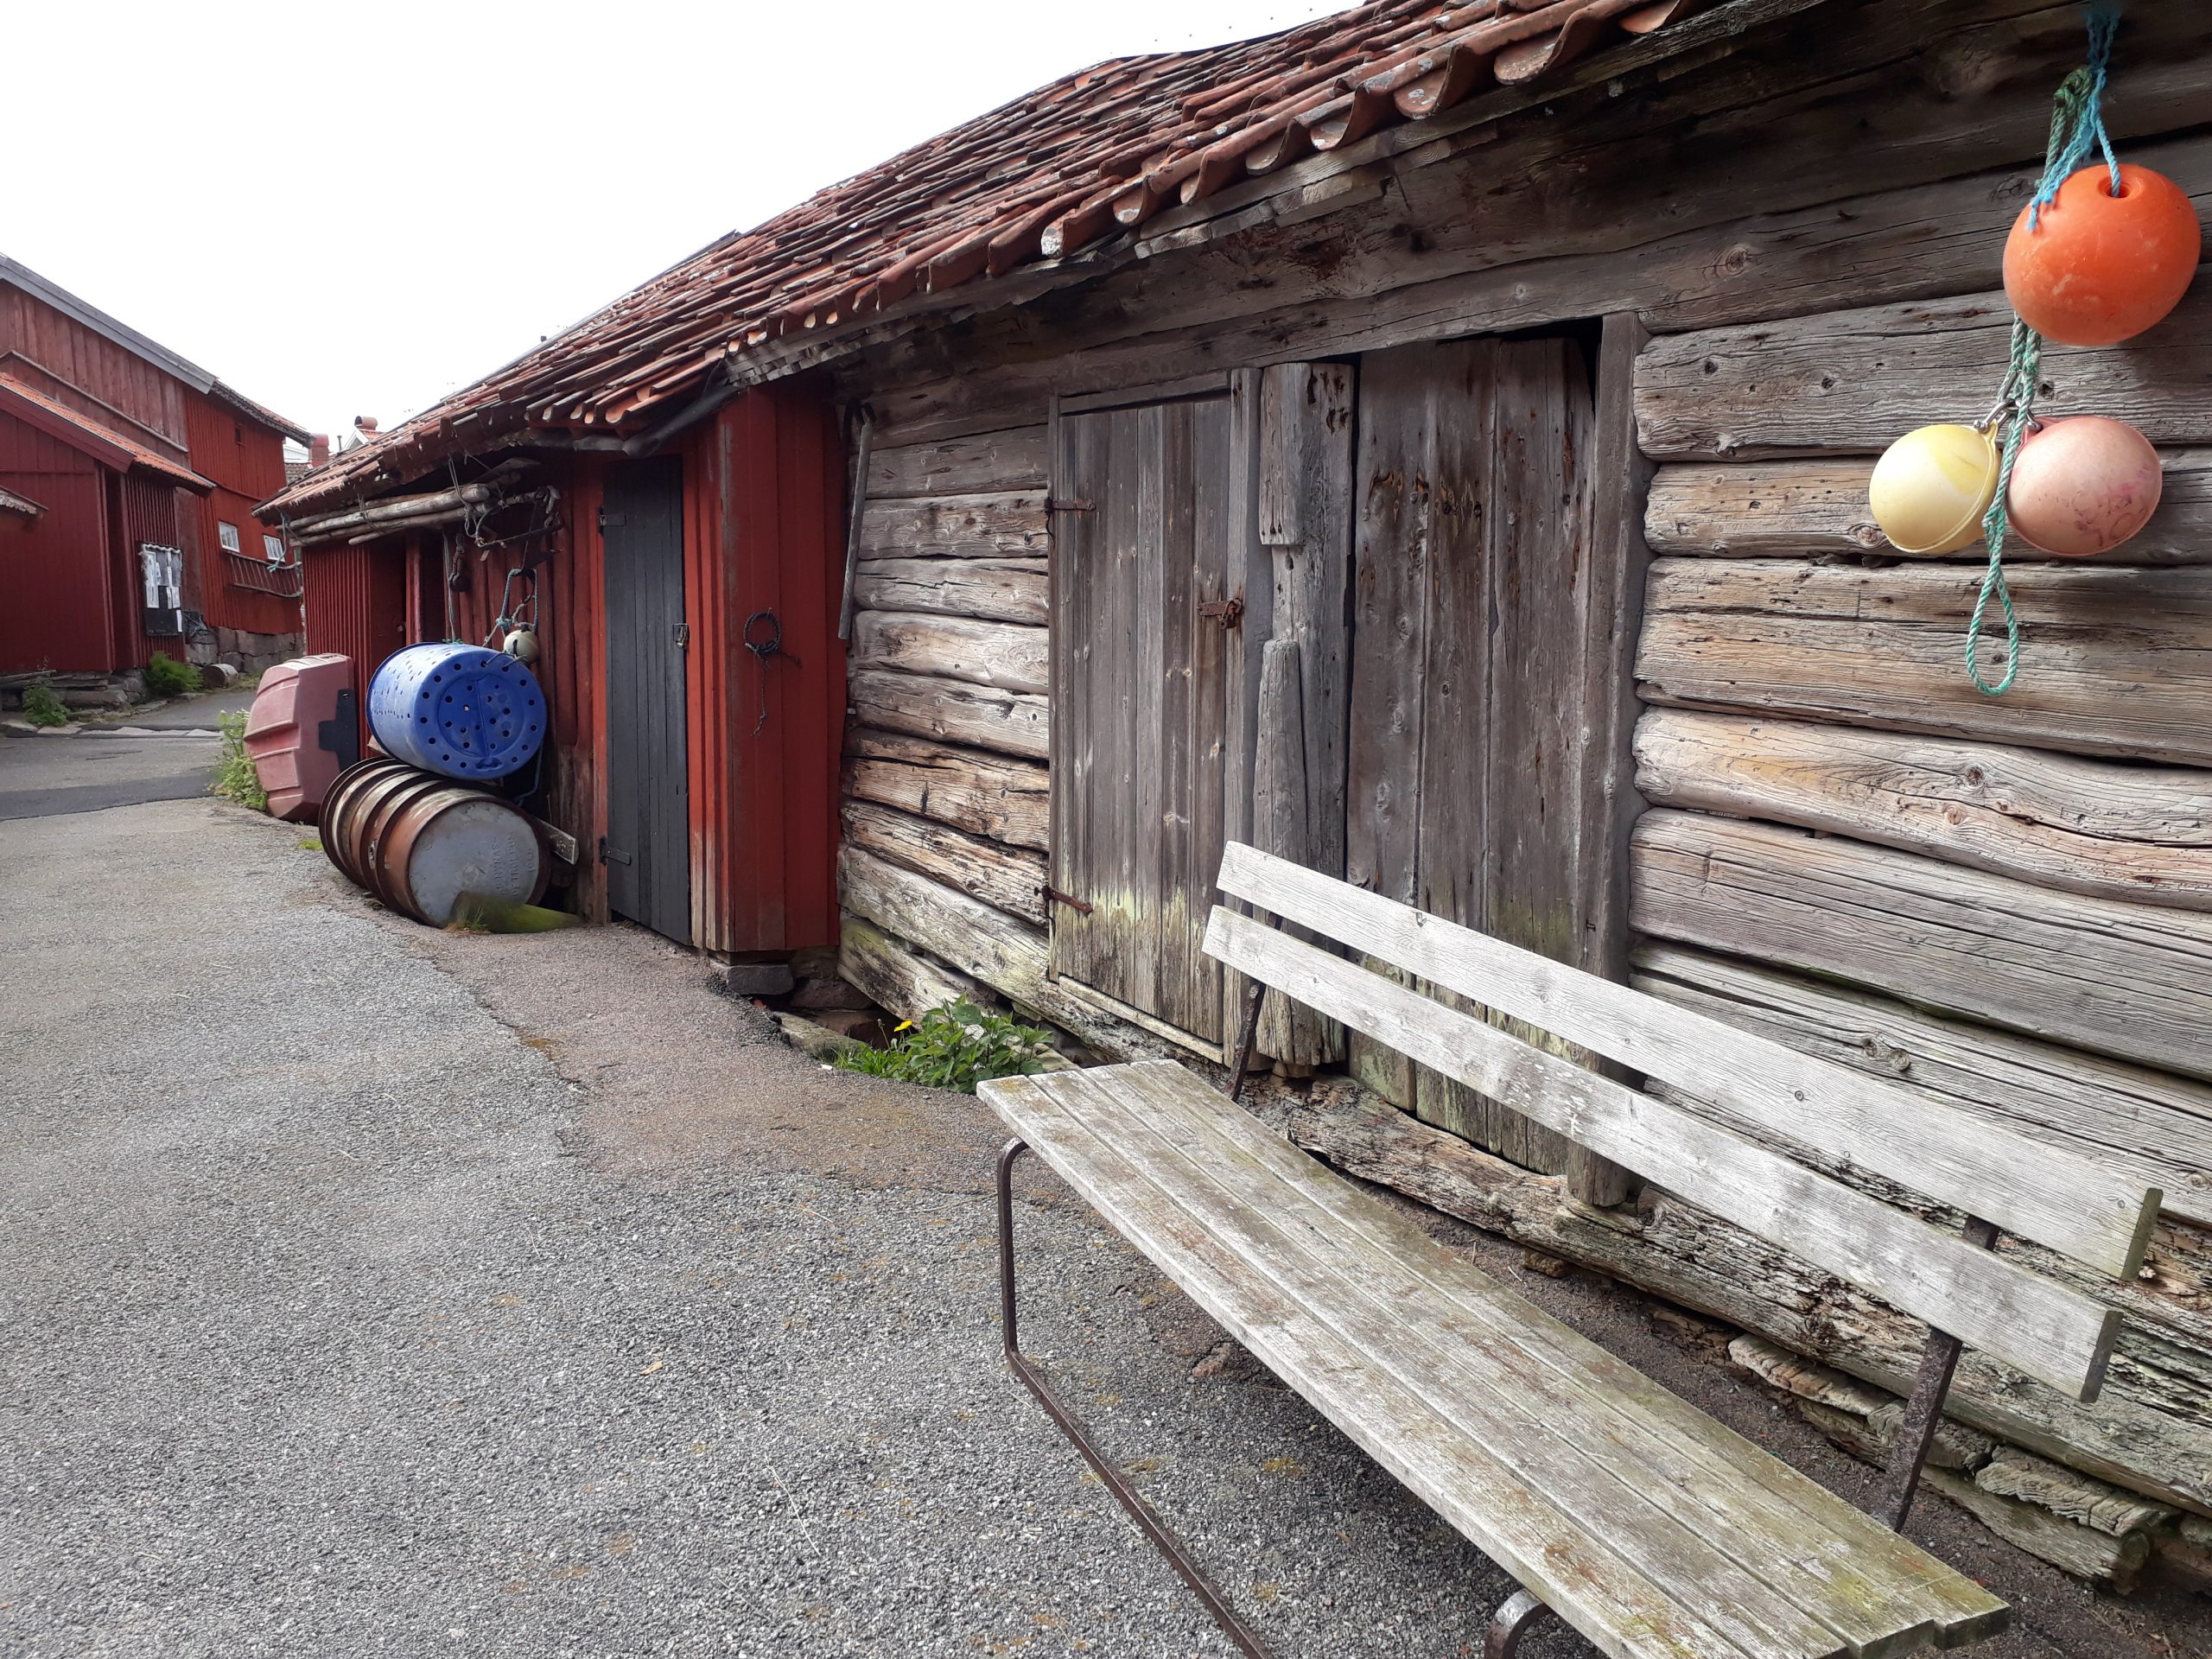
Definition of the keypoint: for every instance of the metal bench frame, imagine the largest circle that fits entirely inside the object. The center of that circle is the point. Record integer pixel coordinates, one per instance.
(1519, 1612)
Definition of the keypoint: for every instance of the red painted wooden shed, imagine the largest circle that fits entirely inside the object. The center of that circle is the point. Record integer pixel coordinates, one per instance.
(684, 606)
(144, 468)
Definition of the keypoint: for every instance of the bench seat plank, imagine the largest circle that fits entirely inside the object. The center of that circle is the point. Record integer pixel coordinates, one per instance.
(1506, 1360)
(2052, 1333)
(2101, 1217)
(1652, 1530)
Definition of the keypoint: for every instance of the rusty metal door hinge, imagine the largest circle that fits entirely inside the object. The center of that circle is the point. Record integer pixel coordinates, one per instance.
(1229, 613)
(1071, 506)
(1056, 896)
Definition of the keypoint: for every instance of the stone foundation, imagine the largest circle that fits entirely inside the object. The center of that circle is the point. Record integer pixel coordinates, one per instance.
(244, 650)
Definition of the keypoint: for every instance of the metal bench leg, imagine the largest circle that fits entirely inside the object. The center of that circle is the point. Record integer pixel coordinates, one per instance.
(1511, 1622)
(1143, 1514)
(1924, 1411)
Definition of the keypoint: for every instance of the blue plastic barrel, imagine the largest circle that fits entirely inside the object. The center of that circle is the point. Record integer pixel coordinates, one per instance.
(459, 710)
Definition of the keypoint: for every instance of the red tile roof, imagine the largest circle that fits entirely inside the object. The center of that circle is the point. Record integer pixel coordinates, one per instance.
(1085, 159)
(82, 433)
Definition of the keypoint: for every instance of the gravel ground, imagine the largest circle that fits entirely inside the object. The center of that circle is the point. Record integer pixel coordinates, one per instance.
(378, 1291)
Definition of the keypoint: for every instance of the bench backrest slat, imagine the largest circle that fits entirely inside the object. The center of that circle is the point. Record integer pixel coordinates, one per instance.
(2100, 1218)
(2054, 1334)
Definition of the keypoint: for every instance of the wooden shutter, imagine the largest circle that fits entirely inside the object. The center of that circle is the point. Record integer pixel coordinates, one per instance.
(1140, 693)
(1469, 666)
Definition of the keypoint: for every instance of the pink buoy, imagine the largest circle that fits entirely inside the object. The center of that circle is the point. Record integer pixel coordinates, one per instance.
(2082, 485)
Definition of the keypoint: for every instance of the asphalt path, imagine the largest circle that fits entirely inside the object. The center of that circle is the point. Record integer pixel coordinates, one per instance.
(84, 772)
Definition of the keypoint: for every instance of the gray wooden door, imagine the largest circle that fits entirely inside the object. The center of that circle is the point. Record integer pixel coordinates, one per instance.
(648, 775)
(1469, 665)
(1140, 704)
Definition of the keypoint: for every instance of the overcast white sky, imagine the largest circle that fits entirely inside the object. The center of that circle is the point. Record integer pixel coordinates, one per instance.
(348, 209)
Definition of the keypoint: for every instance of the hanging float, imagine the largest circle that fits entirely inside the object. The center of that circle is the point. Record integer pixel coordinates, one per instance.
(2082, 485)
(2100, 254)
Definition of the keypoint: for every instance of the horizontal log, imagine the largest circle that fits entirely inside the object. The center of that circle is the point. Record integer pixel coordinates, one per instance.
(2114, 660)
(977, 940)
(2134, 981)
(2095, 1504)
(892, 975)
(1012, 722)
(2082, 1551)
(986, 462)
(2145, 1432)
(1805, 509)
(2140, 833)
(1000, 590)
(1849, 381)
(1002, 654)
(398, 507)
(1012, 881)
(973, 790)
(995, 526)
(2151, 1126)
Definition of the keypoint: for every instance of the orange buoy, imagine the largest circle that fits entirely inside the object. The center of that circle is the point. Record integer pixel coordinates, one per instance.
(2096, 269)
(2082, 485)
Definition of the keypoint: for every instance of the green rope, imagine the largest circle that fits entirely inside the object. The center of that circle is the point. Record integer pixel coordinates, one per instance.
(2076, 123)
(2015, 414)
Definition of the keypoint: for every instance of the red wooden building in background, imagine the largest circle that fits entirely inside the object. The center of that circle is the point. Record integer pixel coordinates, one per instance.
(131, 476)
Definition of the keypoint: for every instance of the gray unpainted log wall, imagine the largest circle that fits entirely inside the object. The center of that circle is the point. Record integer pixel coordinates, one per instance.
(1848, 825)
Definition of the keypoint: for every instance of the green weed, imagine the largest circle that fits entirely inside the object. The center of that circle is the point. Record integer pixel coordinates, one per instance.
(956, 1046)
(42, 706)
(235, 778)
(167, 677)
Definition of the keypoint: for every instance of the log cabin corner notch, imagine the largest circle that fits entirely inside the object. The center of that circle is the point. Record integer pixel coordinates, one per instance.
(1500, 569)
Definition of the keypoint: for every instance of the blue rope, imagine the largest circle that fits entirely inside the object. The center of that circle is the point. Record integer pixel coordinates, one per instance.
(2077, 118)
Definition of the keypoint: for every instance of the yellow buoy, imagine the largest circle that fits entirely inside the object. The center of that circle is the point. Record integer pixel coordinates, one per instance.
(1931, 486)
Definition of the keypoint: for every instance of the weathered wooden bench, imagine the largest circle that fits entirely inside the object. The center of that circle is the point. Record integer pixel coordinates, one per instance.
(1647, 1527)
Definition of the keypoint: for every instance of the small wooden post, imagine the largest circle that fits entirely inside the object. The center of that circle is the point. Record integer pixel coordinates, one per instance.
(1612, 613)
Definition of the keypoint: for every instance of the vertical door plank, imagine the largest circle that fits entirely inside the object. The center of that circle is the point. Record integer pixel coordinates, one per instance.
(1454, 835)
(1389, 646)
(1167, 837)
(1214, 658)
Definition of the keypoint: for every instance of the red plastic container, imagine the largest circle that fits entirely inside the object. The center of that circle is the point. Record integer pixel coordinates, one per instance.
(304, 729)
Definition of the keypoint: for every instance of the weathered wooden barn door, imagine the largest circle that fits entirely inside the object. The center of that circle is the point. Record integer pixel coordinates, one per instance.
(1471, 666)
(648, 782)
(1144, 649)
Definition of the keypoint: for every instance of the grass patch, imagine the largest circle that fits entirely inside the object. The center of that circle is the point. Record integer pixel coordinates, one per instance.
(42, 706)
(167, 677)
(235, 778)
(956, 1046)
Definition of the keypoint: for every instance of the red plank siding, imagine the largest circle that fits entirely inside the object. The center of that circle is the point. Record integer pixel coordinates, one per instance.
(56, 571)
(764, 533)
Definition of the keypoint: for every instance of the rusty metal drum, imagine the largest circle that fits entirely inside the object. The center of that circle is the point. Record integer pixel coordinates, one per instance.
(418, 841)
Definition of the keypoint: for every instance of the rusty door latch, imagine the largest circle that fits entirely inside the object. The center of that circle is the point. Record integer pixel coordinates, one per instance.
(1055, 896)
(1229, 613)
